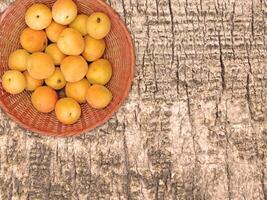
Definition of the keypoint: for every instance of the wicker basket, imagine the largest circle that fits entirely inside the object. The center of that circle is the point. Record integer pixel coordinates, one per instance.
(119, 51)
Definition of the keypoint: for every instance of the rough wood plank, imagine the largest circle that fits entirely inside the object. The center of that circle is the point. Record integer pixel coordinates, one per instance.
(193, 127)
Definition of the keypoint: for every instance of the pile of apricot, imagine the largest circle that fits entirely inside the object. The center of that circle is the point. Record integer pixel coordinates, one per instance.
(60, 60)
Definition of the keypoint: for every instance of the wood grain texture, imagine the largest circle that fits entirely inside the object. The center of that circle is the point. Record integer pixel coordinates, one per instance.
(194, 126)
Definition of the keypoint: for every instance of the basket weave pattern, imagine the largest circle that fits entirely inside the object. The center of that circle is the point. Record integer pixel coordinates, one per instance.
(119, 52)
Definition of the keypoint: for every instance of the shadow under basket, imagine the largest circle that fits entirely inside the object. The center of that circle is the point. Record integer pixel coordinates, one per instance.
(119, 52)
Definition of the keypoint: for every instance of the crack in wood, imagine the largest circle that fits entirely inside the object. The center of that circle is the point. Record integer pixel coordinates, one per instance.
(222, 64)
(127, 165)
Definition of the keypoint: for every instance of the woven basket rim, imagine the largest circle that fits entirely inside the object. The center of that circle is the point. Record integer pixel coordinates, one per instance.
(116, 107)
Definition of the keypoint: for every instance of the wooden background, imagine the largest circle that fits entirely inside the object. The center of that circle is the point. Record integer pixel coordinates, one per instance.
(194, 125)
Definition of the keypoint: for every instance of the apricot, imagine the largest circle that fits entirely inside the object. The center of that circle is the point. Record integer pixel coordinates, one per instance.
(98, 96)
(54, 30)
(32, 83)
(94, 49)
(74, 68)
(79, 23)
(44, 99)
(67, 110)
(33, 40)
(40, 65)
(38, 16)
(18, 60)
(53, 51)
(98, 25)
(64, 11)
(71, 42)
(56, 80)
(77, 90)
(99, 72)
(13, 82)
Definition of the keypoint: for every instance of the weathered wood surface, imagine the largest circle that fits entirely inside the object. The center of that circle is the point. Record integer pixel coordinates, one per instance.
(193, 127)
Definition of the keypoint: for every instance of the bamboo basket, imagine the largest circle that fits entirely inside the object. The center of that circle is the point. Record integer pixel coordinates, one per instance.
(120, 53)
